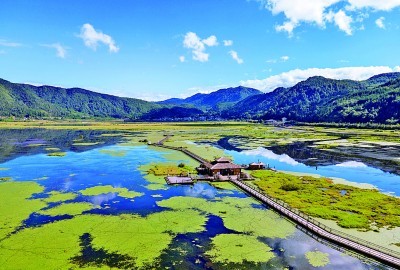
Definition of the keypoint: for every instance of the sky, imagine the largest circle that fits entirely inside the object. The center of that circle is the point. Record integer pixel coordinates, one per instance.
(158, 49)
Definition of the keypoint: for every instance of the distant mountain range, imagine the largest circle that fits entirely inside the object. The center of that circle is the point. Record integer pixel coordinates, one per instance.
(218, 100)
(316, 99)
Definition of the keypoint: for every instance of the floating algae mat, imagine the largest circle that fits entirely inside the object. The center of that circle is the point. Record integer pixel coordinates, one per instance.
(98, 208)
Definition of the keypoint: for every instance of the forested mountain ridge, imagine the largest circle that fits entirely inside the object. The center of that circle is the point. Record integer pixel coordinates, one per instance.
(218, 100)
(318, 99)
(23, 100)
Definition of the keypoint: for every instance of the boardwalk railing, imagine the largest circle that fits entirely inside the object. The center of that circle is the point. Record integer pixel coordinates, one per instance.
(378, 252)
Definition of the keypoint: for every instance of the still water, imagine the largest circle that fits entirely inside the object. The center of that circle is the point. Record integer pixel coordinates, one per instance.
(25, 160)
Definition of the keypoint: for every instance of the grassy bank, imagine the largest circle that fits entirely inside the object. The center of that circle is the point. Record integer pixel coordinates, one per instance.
(348, 206)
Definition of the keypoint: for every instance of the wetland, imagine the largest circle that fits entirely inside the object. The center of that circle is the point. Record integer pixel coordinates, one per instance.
(93, 195)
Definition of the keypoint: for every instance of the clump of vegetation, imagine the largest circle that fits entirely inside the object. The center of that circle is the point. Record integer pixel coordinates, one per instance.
(236, 248)
(290, 187)
(317, 258)
(113, 153)
(364, 209)
(170, 169)
(85, 143)
(55, 196)
(57, 154)
(5, 179)
(122, 192)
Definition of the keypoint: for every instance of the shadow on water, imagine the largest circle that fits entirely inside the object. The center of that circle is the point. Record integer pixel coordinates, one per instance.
(187, 250)
(90, 256)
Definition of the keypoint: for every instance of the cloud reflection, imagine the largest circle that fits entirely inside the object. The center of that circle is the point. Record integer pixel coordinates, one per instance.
(200, 190)
(261, 151)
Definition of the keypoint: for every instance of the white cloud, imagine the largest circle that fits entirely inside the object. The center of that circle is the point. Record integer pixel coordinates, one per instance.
(396, 69)
(61, 51)
(380, 22)
(228, 43)
(352, 164)
(290, 78)
(342, 20)
(198, 46)
(7, 43)
(211, 41)
(92, 38)
(236, 57)
(284, 58)
(182, 58)
(320, 12)
(384, 5)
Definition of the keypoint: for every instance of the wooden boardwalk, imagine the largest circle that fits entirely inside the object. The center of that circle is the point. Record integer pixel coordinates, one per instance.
(385, 255)
(382, 254)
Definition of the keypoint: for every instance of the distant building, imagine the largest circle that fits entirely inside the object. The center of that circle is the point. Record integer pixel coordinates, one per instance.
(221, 166)
(256, 166)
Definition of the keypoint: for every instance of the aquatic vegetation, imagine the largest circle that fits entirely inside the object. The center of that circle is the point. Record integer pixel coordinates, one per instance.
(236, 248)
(56, 196)
(321, 197)
(317, 258)
(113, 153)
(16, 206)
(85, 143)
(238, 214)
(5, 179)
(155, 182)
(224, 186)
(4, 169)
(52, 149)
(141, 238)
(56, 154)
(122, 192)
(71, 209)
(169, 169)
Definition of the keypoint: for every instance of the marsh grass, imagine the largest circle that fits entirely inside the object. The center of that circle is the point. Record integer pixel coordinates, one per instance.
(57, 154)
(364, 209)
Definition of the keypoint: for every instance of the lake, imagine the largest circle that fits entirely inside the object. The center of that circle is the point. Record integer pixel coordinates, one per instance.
(93, 206)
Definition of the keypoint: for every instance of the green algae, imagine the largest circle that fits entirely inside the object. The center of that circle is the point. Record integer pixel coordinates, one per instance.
(15, 204)
(155, 182)
(113, 153)
(57, 154)
(4, 169)
(85, 143)
(317, 258)
(238, 215)
(5, 179)
(52, 149)
(224, 186)
(71, 209)
(122, 192)
(235, 248)
(55, 196)
(143, 239)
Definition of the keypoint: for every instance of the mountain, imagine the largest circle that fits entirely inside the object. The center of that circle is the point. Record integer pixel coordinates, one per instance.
(172, 114)
(218, 100)
(23, 100)
(319, 99)
(316, 99)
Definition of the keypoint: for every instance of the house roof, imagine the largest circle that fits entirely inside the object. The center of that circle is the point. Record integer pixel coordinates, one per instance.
(221, 166)
(223, 160)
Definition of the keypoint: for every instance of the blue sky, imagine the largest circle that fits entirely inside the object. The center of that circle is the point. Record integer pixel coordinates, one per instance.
(156, 49)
